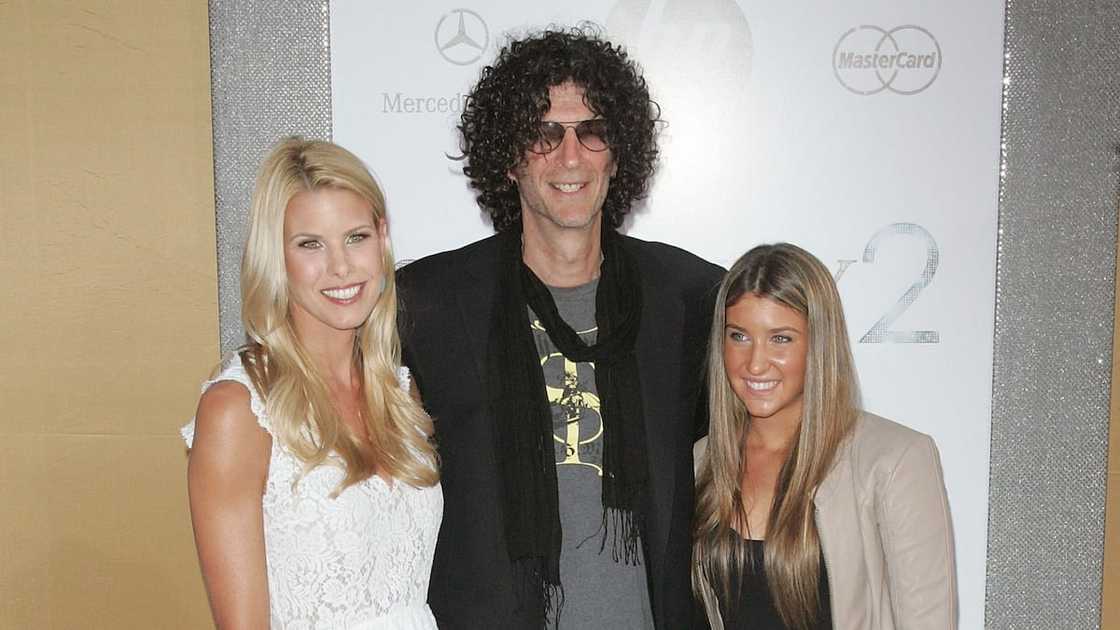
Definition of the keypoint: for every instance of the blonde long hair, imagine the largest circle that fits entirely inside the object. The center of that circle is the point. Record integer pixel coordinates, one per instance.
(791, 276)
(296, 395)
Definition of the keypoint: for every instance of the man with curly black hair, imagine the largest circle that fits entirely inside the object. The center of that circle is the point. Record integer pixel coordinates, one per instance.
(561, 360)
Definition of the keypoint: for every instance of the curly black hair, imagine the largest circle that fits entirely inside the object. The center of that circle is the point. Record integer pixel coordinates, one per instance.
(503, 113)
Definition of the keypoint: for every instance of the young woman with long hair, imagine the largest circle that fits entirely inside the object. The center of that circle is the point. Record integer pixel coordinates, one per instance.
(314, 489)
(810, 512)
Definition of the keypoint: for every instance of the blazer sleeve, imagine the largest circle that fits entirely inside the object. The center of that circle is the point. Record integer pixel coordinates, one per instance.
(917, 536)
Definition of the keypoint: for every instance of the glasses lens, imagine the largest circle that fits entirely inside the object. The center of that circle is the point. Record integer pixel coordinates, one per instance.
(592, 134)
(551, 134)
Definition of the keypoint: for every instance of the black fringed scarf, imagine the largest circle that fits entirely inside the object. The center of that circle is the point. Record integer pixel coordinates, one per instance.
(526, 456)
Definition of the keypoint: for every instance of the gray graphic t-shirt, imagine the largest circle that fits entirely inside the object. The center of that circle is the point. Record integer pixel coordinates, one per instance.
(598, 592)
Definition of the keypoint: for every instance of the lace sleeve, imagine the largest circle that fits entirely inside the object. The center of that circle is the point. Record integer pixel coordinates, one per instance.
(234, 371)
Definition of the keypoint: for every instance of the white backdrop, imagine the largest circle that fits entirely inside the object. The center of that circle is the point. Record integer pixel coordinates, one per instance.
(867, 132)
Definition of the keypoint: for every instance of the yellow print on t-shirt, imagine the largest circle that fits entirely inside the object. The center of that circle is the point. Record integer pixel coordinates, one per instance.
(583, 424)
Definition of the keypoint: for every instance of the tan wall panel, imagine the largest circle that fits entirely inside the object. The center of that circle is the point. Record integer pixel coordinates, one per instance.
(109, 316)
(113, 550)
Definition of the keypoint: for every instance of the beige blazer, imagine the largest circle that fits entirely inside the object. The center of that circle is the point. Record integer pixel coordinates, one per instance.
(886, 535)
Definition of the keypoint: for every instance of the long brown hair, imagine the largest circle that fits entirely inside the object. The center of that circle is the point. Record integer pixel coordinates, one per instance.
(791, 276)
(296, 395)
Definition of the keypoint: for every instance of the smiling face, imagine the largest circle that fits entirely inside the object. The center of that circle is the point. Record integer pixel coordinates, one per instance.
(334, 257)
(765, 345)
(565, 188)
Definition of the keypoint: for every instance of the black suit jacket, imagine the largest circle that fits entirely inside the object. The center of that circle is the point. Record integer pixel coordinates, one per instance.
(446, 303)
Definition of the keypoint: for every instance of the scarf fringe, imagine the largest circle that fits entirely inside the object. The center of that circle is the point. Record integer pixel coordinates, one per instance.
(532, 585)
(622, 528)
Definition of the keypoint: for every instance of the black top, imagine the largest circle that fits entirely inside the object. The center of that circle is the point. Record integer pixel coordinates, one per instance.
(447, 305)
(754, 608)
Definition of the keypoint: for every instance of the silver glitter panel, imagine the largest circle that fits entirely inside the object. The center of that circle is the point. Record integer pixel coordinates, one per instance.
(1054, 314)
(270, 76)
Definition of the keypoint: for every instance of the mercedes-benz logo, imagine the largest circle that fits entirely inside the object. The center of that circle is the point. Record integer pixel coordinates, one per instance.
(869, 59)
(463, 38)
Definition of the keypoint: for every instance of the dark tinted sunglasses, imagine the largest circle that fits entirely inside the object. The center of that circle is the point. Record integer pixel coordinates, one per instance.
(592, 134)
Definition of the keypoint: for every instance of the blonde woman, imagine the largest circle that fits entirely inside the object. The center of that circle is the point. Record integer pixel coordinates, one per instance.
(314, 490)
(810, 512)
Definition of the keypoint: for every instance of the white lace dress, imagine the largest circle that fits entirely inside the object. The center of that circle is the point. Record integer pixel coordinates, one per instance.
(360, 561)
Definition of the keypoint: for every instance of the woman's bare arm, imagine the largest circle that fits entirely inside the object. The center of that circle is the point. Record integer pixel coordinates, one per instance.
(226, 480)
